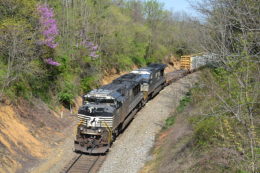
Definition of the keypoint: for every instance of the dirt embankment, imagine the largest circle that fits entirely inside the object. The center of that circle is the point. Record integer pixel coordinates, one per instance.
(172, 64)
(28, 133)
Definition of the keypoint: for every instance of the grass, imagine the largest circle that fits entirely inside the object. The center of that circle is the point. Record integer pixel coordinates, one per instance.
(184, 102)
(169, 122)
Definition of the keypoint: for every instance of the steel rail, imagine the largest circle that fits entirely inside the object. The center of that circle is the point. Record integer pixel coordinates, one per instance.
(85, 163)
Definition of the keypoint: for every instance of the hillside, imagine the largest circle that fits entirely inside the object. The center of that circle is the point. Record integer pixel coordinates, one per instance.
(200, 137)
(29, 132)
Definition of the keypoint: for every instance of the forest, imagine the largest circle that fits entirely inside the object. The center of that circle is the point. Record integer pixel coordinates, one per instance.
(55, 50)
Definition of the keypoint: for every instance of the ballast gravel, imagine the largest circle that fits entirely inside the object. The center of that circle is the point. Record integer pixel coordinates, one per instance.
(131, 149)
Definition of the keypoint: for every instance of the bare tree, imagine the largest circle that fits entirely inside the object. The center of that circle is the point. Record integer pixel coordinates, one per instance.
(232, 32)
(17, 48)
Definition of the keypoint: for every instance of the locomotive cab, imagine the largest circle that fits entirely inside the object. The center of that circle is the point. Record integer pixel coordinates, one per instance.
(153, 79)
(96, 119)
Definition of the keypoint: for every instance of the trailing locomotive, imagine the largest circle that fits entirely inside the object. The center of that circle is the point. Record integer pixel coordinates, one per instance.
(108, 110)
(153, 79)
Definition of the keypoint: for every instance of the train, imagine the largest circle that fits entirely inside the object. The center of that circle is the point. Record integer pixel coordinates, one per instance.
(106, 111)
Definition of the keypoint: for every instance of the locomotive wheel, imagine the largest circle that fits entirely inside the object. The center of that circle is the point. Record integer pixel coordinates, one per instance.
(116, 133)
(143, 102)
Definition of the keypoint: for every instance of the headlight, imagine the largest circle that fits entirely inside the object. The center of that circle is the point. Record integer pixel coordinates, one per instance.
(99, 130)
(81, 128)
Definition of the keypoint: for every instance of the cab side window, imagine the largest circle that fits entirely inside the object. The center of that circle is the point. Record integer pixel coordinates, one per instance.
(158, 74)
(161, 72)
(136, 90)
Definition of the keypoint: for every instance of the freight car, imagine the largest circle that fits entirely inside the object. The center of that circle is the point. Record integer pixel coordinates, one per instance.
(196, 61)
(108, 110)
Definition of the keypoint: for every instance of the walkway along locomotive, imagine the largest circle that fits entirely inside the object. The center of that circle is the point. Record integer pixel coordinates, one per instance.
(106, 111)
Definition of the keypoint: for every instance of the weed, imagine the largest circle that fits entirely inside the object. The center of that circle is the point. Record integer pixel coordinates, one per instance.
(205, 131)
(184, 102)
(66, 95)
(169, 122)
(89, 83)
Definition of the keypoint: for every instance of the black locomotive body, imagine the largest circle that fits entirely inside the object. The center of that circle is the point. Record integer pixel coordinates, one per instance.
(154, 79)
(108, 110)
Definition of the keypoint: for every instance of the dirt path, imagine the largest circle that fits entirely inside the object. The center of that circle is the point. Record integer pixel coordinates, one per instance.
(131, 150)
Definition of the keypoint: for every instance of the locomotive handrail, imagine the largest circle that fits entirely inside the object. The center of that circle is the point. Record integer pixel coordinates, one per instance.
(79, 123)
(145, 95)
(109, 132)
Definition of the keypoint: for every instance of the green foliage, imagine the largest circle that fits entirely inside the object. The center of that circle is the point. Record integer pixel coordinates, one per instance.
(182, 105)
(125, 63)
(2, 70)
(184, 102)
(17, 8)
(151, 60)
(89, 83)
(181, 49)
(205, 131)
(242, 171)
(21, 88)
(139, 61)
(217, 126)
(67, 94)
(169, 122)
(129, 35)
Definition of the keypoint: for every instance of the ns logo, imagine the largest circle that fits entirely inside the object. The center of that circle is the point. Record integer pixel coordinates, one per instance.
(93, 121)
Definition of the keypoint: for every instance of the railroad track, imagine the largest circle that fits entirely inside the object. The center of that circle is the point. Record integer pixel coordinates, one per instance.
(84, 164)
(175, 75)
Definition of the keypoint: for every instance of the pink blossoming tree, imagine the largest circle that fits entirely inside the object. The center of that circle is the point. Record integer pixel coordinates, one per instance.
(48, 25)
(49, 29)
(91, 47)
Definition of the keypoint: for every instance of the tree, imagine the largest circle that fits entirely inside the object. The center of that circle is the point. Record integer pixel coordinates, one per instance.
(17, 50)
(232, 33)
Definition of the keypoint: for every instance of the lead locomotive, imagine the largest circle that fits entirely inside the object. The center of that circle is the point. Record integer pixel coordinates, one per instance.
(106, 111)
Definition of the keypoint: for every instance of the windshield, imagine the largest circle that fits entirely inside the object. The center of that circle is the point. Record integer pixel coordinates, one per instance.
(98, 100)
(90, 100)
(146, 76)
(106, 101)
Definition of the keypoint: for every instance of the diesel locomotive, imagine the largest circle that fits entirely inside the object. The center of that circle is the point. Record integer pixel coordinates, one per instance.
(107, 111)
